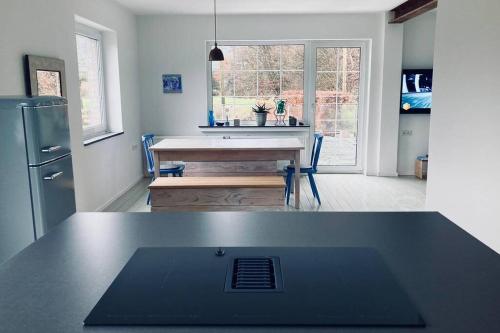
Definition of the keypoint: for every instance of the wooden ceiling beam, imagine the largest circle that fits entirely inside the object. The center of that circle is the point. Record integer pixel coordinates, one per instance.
(411, 9)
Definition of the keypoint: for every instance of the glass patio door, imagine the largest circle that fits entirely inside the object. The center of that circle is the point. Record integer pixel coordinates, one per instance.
(338, 103)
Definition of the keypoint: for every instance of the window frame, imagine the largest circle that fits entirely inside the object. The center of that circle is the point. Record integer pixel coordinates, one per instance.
(309, 110)
(91, 132)
(305, 43)
(363, 104)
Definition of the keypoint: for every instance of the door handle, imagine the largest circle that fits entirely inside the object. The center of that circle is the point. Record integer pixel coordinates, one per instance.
(53, 176)
(50, 149)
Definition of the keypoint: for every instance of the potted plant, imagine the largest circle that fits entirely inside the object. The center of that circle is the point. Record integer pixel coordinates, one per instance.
(261, 113)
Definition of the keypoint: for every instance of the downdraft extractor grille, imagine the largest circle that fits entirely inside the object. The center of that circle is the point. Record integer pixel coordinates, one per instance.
(254, 274)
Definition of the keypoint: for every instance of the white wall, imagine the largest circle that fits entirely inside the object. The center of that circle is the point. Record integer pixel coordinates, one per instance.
(176, 44)
(104, 169)
(464, 165)
(393, 53)
(418, 53)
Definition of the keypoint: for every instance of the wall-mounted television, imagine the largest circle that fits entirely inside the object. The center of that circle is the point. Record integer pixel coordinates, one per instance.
(416, 91)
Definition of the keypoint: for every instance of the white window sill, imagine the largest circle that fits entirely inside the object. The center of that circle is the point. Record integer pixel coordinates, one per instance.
(102, 137)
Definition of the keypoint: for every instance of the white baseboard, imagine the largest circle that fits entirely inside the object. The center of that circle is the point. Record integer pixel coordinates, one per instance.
(119, 194)
(407, 173)
(388, 174)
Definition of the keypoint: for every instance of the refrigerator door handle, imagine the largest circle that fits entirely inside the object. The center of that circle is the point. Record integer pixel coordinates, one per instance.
(51, 149)
(53, 176)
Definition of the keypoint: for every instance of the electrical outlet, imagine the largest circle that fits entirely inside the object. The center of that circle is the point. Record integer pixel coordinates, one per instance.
(406, 132)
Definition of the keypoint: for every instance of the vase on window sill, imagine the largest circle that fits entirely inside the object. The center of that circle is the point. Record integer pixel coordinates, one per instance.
(211, 118)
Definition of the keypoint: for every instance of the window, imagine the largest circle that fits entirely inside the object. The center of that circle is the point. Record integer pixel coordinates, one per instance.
(91, 75)
(255, 73)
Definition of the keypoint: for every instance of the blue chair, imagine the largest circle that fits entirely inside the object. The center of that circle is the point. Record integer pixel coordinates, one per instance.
(310, 170)
(176, 170)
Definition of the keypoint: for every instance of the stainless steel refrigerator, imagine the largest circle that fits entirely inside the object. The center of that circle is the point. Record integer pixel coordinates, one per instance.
(36, 173)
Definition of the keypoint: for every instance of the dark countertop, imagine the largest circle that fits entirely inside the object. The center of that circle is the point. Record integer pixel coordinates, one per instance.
(52, 285)
(255, 126)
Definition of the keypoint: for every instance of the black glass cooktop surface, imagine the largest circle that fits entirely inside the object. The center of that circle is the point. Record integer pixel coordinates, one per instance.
(256, 286)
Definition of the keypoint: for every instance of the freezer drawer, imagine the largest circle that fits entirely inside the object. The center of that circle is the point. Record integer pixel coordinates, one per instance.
(53, 194)
(47, 133)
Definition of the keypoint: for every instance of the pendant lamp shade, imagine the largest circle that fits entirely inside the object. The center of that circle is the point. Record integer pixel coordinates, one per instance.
(216, 53)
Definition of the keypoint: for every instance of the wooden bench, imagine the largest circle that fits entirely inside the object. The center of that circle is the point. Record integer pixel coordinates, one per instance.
(217, 193)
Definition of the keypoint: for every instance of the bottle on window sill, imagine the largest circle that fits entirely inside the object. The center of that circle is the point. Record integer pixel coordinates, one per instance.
(211, 119)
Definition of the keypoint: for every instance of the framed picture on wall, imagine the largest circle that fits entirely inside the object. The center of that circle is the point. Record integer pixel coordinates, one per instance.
(45, 76)
(172, 83)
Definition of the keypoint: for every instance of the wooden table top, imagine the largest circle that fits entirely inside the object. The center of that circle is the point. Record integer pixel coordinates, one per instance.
(210, 143)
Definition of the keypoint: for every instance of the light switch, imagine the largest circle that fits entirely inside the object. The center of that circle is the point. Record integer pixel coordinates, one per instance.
(406, 132)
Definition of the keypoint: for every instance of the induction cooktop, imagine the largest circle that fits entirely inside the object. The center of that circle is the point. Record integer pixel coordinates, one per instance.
(256, 286)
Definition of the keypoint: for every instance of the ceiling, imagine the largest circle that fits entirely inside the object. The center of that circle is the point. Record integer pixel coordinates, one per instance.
(258, 6)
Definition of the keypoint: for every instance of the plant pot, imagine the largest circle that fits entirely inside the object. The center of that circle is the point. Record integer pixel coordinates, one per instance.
(261, 118)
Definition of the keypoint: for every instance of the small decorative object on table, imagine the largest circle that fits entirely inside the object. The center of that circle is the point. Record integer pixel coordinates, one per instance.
(261, 113)
(211, 118)
(219, 123)
(280, 111)
(236, 122)
(172, 83)
(292, 121)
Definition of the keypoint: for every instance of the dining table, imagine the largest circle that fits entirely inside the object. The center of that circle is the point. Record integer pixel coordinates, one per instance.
(219, 149)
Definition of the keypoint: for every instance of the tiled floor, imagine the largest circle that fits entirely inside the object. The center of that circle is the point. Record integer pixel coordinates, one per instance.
(338, 192)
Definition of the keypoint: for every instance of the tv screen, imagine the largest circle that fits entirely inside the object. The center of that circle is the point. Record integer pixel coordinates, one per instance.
(416, 91)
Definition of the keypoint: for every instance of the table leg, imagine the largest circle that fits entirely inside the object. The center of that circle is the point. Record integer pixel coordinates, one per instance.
(156, 157)
(297, 179)
(292, 183)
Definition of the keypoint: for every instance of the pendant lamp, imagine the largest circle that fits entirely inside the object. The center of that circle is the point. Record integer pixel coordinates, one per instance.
(216, 53)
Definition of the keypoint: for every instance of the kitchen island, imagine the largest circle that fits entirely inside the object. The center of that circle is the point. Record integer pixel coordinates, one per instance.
(51, 286)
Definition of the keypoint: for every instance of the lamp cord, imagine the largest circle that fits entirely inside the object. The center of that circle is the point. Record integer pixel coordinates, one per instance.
(215, 20)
